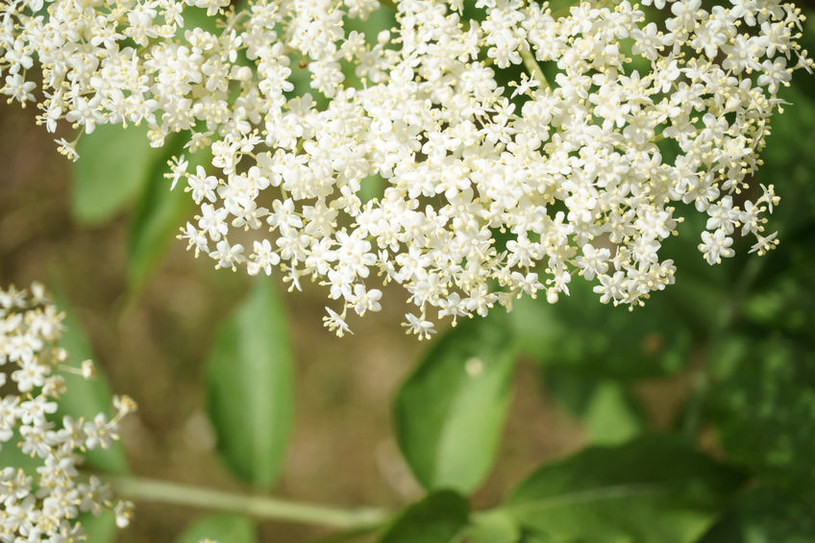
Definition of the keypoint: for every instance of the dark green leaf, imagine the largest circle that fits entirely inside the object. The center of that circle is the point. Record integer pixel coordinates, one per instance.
(87, 397)
(582, 335)
(651, 489)
(114, 164)
(250, 388)
(158, 216)
(764, 515)
(450, 412)
(220, 528)
(438, 518)
(763, 406)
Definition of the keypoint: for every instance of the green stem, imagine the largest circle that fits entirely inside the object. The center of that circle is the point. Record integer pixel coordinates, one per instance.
(261, 507)
(534, 68)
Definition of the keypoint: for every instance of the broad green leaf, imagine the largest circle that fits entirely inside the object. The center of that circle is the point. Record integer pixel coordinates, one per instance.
(450, 412)
(87, 397)
(763, 407)
(114, 164)
(159, 215)
(220, 528)
(438, 518)
(250, 388)
(651, 489)
(764, 515)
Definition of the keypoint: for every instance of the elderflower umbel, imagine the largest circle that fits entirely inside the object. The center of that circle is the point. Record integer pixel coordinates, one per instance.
(488, 192)
(44, 502)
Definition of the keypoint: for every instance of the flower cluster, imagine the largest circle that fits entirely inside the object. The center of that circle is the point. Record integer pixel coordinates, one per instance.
(43, 501)
(483, 191)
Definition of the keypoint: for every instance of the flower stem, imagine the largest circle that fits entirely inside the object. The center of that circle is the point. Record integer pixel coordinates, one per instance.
(261, 507)
(534, 69)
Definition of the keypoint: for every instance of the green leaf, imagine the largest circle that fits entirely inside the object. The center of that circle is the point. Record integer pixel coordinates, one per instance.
(763, 407)
(250, 386)
(158, 216)
(99, 529)
(581, 335)
(764, 515)
(438, 518)
(220, 528)
(494, 526)
(651, 489)
(87, 397)
(451, 410)
(610, 413)
(611, 417)
(12, 456)
(114, 164)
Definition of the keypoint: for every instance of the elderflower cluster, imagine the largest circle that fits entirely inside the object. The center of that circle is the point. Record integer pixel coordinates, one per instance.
(487, 191)
(43, 502)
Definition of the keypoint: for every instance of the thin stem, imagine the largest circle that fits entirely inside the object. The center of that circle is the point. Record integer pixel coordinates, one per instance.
(261, 507)
(534, 68)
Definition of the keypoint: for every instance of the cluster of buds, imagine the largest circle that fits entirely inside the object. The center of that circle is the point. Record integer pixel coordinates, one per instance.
(488, 191)
(43, 499)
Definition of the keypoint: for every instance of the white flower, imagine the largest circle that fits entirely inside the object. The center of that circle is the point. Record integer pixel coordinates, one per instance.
(476, 200)
(419, 326)
(335, 323)
(50, 496)
(716, 246)
(178, 169)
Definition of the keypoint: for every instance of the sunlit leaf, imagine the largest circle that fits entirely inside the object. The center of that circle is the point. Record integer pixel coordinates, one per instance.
(450, 412)
(250, 388)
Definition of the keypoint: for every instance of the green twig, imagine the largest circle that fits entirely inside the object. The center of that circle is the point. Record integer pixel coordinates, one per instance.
(261, 507)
